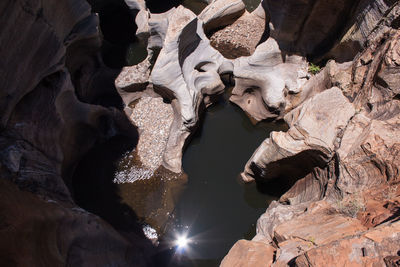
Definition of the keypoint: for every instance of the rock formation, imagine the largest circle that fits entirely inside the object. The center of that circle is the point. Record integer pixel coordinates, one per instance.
(181, 67)
(51, 76)
(265, 79)
(340, 152)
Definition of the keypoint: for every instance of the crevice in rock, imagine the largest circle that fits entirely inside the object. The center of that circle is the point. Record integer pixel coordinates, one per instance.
(278, 177)
(161, 6)
(120, 46)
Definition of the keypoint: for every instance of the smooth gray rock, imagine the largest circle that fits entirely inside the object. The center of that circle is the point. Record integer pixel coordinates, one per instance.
(315, 130)
(186, 71)
(263, 80)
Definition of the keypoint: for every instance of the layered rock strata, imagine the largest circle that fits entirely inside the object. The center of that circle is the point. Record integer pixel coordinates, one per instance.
(340, 154)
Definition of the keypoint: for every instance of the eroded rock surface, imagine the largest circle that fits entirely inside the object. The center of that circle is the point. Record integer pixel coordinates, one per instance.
(314, 133)
(51, 78)
(340, 152)
(263, 80)
(345, 174)
(185, 72)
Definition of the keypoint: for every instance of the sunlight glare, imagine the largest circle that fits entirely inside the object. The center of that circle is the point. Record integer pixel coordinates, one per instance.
(181, 242)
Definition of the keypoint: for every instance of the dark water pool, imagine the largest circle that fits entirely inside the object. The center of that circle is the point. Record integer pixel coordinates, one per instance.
(216, 210)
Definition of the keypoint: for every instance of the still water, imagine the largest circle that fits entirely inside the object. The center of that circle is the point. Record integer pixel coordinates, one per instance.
(216, 210)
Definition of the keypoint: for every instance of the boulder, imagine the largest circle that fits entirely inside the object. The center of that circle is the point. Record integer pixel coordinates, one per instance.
(241, 37)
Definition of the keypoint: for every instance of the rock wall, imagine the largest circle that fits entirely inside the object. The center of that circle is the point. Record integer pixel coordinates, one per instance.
(340, 152)
(51, 76)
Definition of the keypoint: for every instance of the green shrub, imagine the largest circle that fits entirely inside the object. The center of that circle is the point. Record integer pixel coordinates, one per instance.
(313, 69)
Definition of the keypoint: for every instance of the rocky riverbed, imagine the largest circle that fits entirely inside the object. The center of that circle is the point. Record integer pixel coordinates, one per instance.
(60, 102)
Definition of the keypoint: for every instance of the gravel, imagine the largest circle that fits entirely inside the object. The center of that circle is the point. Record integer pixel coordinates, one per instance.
(153, 117)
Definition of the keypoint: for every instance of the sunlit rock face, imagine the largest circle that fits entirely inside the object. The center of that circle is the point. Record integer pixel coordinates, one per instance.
(314, 133)
(265, 79)
(221, 13)
(344, 172)
(185, 72)
(340, 152)
(269, 81)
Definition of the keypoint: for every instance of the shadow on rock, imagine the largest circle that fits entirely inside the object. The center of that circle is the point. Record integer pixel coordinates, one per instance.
(94, 190)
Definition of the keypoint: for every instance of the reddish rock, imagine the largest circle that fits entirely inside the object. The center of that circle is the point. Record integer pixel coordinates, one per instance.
(368, 249)
(249, 253)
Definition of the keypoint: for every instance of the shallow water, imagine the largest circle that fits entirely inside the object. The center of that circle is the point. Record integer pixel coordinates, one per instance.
(216, 210)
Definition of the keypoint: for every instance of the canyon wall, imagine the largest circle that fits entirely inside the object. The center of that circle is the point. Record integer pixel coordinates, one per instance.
(52, 80)
(340, 152)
